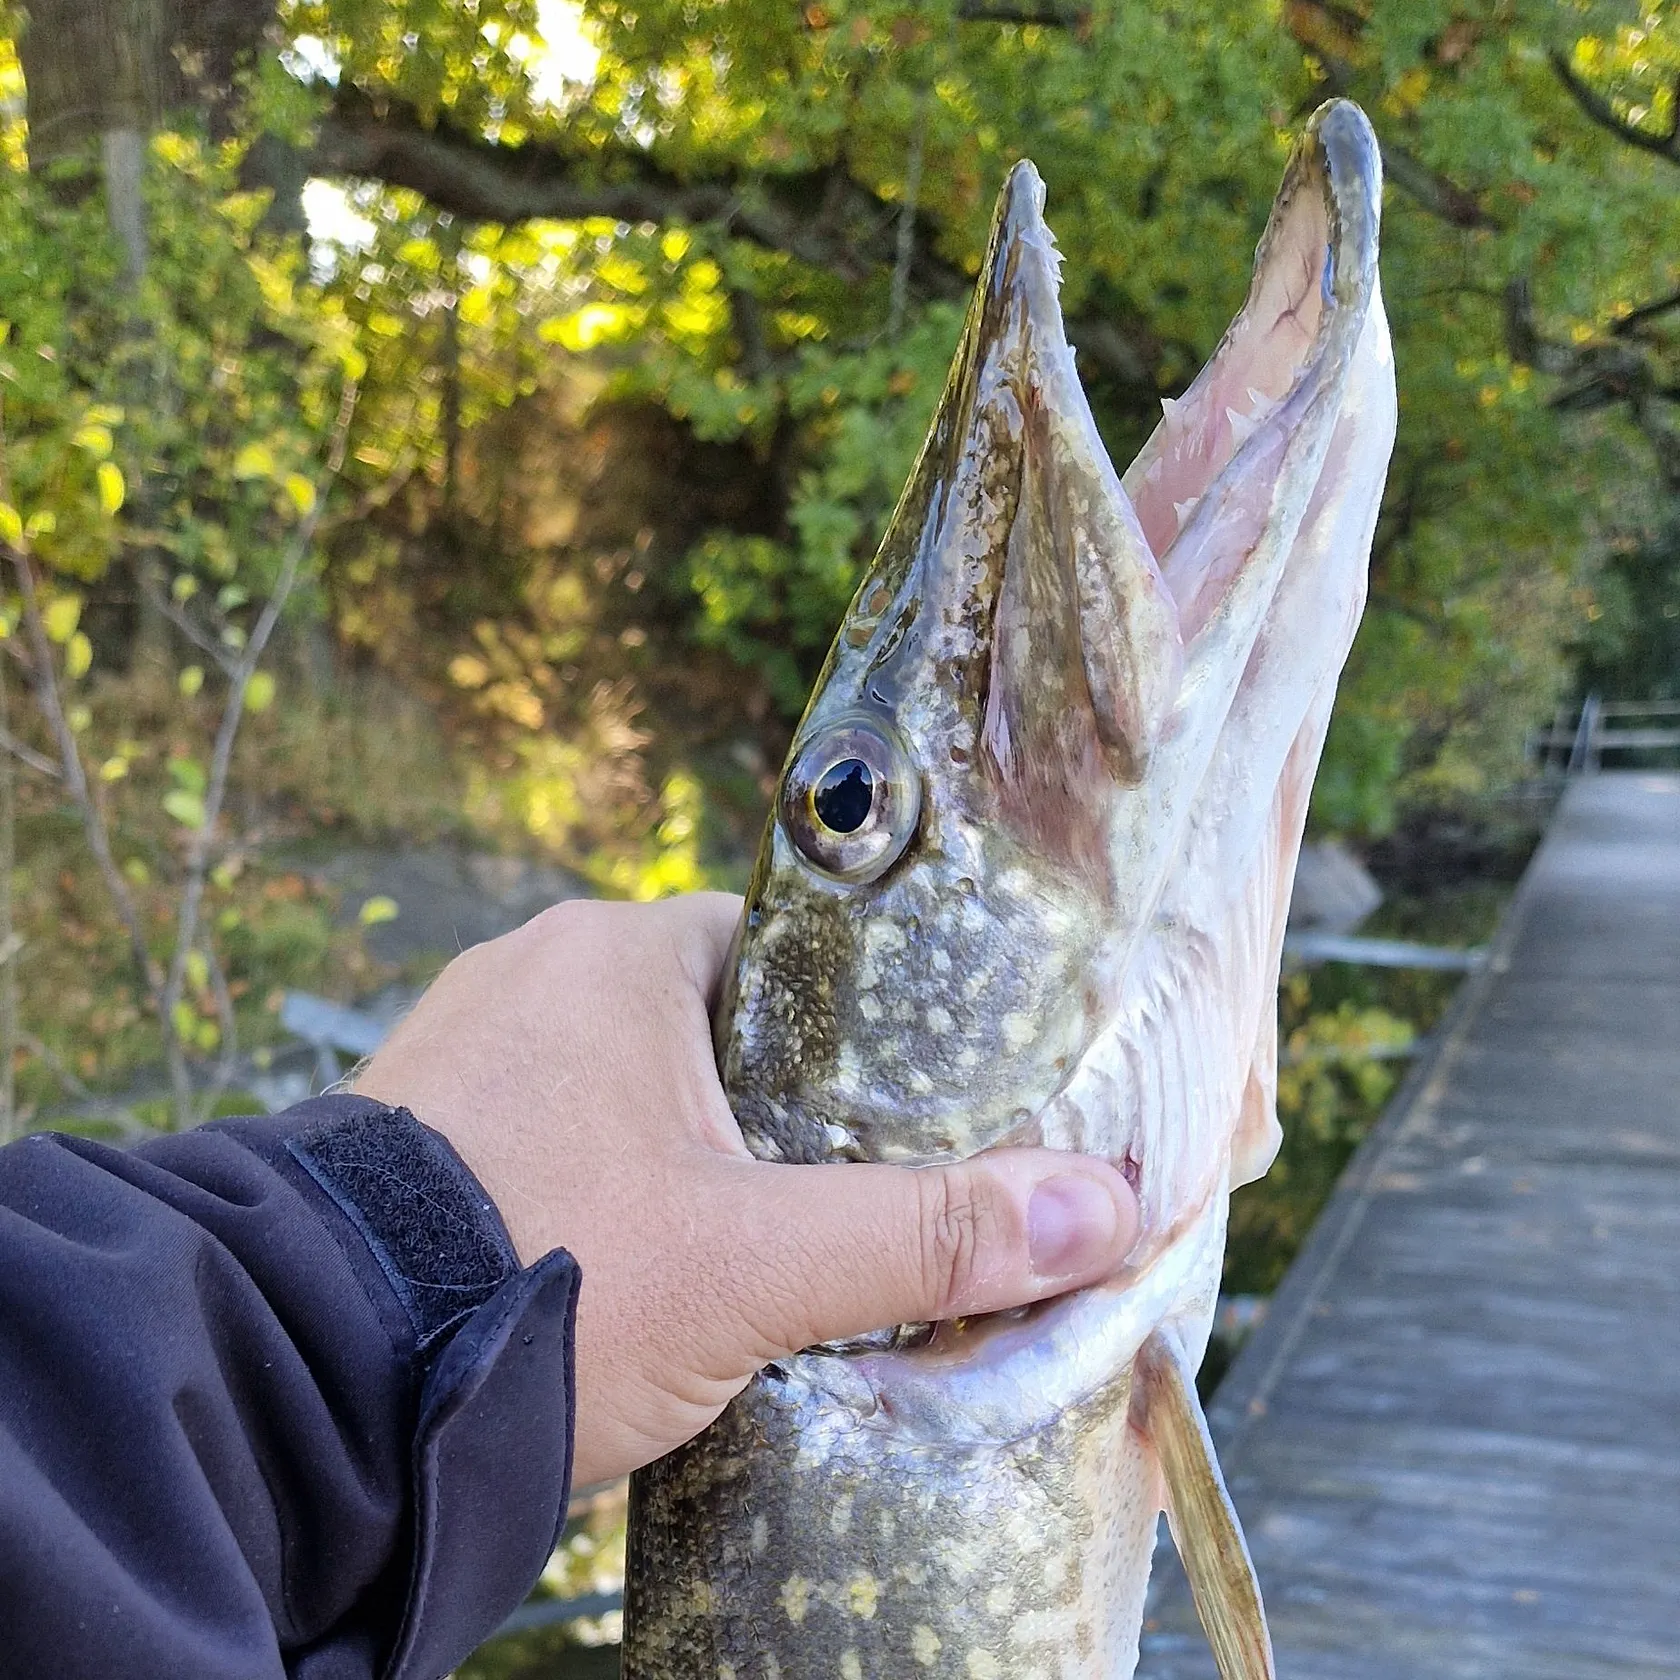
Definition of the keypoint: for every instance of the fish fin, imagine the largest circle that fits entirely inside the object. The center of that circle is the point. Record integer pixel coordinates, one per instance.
(1200, 1513)
(1258, 1137)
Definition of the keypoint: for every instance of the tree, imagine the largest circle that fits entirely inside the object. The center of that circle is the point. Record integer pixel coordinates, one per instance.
(763, 218)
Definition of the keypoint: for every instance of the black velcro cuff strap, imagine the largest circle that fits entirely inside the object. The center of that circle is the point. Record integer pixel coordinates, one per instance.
(427, 1221)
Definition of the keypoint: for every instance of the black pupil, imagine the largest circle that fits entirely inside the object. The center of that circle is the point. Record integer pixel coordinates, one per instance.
(843, 796)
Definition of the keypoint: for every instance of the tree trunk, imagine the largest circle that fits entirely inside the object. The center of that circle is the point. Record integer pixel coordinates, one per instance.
(102, 75)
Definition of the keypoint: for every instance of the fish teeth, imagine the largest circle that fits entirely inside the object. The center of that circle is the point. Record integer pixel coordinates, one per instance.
(1243, 426)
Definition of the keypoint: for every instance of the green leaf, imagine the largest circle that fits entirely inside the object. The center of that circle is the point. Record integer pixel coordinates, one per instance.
(187, 773)
(190, 680)
(185, 807)
(259, 693)
(197, 970)
(376, 910)
(111, 486)
(61, 616)
(113, 769)
(78, 656)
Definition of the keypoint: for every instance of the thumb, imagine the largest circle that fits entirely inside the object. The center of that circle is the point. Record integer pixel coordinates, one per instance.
(858, 1248)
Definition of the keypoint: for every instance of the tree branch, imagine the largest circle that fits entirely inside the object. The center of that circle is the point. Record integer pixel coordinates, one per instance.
(28, 755)
(1628, 325)
(78, 1090)
(221, 756)
(1598, 109)
(822, 217)
(189, 627)
(974, 11)
(1433, 192)
(45, 682)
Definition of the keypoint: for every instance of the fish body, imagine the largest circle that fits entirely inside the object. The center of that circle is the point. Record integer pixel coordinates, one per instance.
(1026, 884)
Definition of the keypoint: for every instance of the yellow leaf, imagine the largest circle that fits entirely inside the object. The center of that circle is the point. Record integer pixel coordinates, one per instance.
(302, 493)
(255, 460)
(198, 970)
(465, 671)
(11, 525)
(78, 656)
(61, 617)
(376, 910)
(595, 323)
(113, 769)
(184, 587)
(111, 487)
(259, 694)
(191, 680)
(94, 438)
(42, 523)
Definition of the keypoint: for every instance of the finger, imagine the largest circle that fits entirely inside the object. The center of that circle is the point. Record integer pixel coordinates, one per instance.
(702, 925)
(834, 1251)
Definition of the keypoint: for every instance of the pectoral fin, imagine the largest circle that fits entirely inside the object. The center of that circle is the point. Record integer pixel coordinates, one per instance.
(1199, 1511)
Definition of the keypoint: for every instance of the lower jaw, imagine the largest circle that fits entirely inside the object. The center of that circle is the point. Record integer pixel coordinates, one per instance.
(1005, 1376)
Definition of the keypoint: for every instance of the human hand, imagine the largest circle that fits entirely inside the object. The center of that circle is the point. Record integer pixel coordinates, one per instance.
(570, 1065)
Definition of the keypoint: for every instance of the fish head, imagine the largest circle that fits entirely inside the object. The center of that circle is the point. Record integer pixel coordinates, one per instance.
(937, 870)
(1060, 748)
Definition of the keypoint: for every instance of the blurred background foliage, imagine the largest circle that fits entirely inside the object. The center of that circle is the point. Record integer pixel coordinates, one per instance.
(627, 319)
(643, 308)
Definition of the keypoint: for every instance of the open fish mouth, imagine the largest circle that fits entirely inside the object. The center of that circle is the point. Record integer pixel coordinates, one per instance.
(1237, 477)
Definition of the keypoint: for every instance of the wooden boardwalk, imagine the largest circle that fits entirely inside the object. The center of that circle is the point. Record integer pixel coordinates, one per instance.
(1455, 1441)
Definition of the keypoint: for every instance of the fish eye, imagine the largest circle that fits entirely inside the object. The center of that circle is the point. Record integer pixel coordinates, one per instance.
(851, 798)
(844, 796)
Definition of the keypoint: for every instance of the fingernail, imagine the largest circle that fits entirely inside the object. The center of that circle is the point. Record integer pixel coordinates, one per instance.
(1070, 1225)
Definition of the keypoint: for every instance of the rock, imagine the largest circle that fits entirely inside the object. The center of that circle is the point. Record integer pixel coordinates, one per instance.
(1334, 892)
(446, 898)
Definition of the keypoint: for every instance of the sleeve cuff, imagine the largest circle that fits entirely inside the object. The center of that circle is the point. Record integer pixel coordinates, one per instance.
(492, 1347)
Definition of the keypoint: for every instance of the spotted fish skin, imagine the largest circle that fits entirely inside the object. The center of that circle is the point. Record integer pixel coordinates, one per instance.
(1086, 712)
(869, 1553)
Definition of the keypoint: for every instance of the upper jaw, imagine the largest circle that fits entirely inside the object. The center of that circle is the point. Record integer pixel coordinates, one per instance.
(1052, 621)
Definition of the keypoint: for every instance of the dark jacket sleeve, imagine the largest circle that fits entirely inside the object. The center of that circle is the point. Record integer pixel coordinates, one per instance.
(275, 1400)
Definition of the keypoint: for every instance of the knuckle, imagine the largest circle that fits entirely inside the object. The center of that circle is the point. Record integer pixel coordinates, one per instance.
(959, 1224)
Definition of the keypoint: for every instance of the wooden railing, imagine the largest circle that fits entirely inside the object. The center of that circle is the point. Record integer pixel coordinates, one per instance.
(1577, 742)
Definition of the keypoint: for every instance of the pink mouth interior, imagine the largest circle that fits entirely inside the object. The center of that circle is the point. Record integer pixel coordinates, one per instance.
(1264, 355)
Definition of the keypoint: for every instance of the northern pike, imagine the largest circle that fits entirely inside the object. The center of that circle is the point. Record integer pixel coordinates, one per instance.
(1025, 883)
